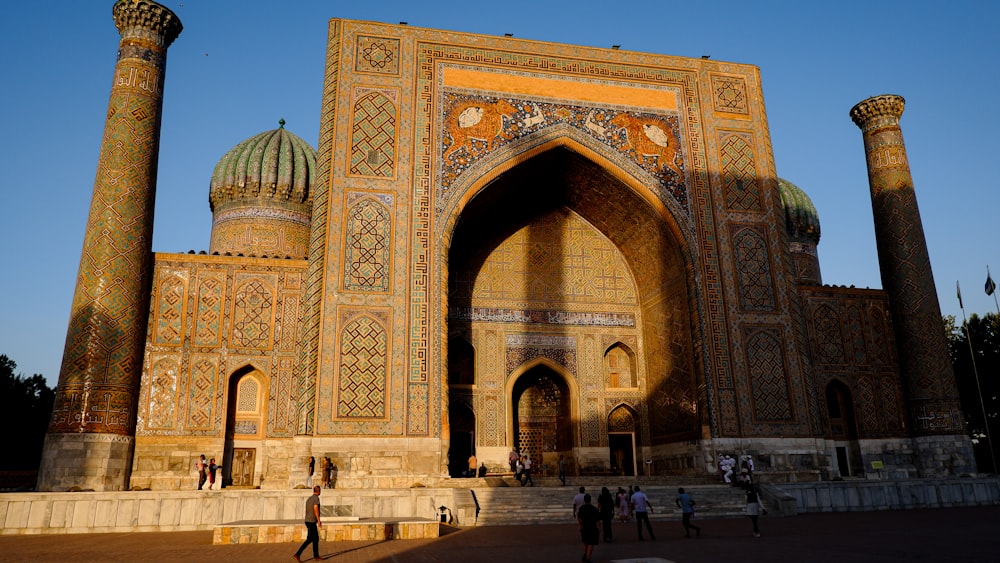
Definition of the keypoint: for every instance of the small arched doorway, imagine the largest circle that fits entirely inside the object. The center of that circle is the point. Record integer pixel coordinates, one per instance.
(622, 440)
(463, 436)
(246, 420)
(843, 428)
(543, 426)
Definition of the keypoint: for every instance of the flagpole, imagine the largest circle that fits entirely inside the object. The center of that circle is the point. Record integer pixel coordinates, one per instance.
(979, 390)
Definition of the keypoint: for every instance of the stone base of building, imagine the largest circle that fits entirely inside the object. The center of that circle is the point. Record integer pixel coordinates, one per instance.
(85, 462)
(350, 529)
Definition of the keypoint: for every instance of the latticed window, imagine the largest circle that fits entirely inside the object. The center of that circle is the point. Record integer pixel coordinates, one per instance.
(618, 367)
(246, 396)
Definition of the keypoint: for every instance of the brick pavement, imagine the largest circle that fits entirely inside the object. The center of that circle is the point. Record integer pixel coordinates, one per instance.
(945, 534)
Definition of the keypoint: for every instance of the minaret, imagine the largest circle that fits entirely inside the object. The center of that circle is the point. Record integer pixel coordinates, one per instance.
(92, 433)
(928, 378)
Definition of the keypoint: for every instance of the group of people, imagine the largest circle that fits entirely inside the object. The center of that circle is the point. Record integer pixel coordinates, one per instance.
(520, 465)
(327, 472)
(727, 466)
(207, 473)
(596, 519)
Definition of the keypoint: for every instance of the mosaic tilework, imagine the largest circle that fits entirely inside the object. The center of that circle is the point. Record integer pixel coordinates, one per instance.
(211, 287)
(363, 369)
(753, 268)
(476, 125)
(729, 94)
(621, 420)
(163, 394)
(841, 325)
(739, 172)
(378, 55)
(902, 250)
(103, 356)
(201, 395)
(307, 369)
(253, 313)
(767, 380)
(368, 246)
(373, 135)
(214, 349)
(168, 328)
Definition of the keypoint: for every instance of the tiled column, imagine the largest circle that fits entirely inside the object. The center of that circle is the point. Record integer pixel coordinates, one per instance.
(928, 378)
(91, 435)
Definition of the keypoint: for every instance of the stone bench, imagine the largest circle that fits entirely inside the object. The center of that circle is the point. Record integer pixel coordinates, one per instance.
(341, 528)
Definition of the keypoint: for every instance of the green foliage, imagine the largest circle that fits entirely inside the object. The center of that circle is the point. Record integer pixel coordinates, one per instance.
(985, 336)
(25, 409)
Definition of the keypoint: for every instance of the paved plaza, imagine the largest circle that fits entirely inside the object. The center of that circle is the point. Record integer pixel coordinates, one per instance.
(947, 534)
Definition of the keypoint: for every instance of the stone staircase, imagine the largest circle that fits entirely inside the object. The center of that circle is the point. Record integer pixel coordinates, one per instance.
(549, 503)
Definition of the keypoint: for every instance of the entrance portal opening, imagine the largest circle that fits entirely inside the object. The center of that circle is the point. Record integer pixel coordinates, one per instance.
(542, 422)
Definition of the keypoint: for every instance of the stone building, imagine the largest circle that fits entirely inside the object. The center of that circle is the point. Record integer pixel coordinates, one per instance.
(499, 243)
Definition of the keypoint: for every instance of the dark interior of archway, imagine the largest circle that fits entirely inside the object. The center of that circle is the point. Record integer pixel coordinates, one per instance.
(562, 178)
(541, 399)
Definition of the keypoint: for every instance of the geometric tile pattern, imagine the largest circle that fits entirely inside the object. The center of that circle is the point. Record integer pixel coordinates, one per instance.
(739, 173)
(102, 360)
(170, 312)
(753, 268)
(905, 263)
(163, 395)
(379, 55)
(201, 397)
(363, 369)
(253, 311)
(729, 94)
(621, 420)
(829, 336)
(559, 258)
(367, 247)
(765, 360)
(211, 287)
(373, 137)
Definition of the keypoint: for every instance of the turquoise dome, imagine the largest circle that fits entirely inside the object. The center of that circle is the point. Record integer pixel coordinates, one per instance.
(801, 218)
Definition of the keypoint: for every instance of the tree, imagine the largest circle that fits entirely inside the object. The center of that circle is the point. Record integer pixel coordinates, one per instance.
(985, 335)
(25, 409)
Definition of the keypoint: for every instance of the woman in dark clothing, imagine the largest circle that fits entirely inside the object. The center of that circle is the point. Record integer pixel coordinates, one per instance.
(606, 506)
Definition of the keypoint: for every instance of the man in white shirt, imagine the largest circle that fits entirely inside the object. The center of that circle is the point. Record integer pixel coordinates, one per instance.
(642, 507)
(578, 500)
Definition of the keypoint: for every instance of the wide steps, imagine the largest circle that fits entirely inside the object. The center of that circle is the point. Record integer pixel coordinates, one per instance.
(554, 505)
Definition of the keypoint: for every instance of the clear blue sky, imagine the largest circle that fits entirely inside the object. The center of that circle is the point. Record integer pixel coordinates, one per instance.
(239, 66)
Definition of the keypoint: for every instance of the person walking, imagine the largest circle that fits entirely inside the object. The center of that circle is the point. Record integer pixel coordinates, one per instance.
(606, 506)
(754, 507)
(562, 470)
(641, 507)
(527, 472)
(686, 504)
(313, 524)
(588, 516)
(578, 500)
(512, 459)
(623, 503)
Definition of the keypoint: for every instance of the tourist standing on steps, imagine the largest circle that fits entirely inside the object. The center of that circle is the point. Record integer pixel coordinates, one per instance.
(512, 458)
(623, 502)
(578, 500)
(202, 467)
(686, 504)
(588, 516)
(606, 506)
(562, 470)
(212, 470)
(641, 507)
(754, 507)
(312, 470)
(313, 524)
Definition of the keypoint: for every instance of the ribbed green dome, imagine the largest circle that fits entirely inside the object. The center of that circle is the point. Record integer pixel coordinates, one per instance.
(275, 168)
(801, 218)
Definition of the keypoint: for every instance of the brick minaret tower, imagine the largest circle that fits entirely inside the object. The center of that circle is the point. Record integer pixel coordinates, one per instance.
(941, 446)
(91, 437)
